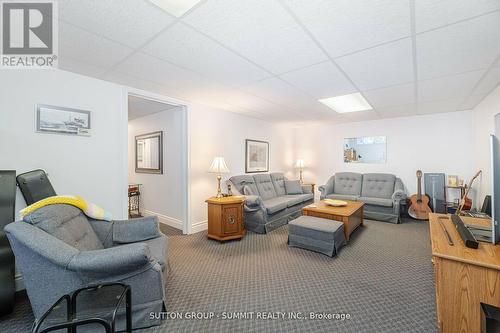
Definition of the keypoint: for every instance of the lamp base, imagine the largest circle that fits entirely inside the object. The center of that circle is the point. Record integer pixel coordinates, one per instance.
(219, 192)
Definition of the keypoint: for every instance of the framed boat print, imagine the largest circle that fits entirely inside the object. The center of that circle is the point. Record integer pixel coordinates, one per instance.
(256, 156)
(61, 120)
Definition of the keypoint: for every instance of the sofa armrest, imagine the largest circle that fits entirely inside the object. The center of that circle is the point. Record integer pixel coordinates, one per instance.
(112, 261)
(41, 243)
(135, 230)
(398, 195)
(253, 203)
(327, 188)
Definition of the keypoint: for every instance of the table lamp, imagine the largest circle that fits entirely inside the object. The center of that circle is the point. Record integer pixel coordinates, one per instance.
(218, 167)
(300, 164)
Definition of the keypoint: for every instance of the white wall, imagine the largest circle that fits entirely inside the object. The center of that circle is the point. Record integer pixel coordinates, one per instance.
(484, 125)
(219, 133)
(432, 143)
(93, 167)
(160, 194)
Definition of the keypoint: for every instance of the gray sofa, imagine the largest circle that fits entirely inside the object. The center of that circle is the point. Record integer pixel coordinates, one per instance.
(267, 205)
(382, 193)
(58, 250)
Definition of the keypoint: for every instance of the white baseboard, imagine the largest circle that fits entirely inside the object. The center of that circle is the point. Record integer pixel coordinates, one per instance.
(170, 221)
(199, 226)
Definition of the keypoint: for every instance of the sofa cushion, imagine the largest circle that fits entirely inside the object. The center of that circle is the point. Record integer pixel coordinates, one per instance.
(376, 201)
(293, 200)
(378, 185)
(244, 180)
(306, 196)
(68, 224)
(343, 197)
(315, 228)
(348, 183)
(274, 205)
(247, 190)
(265, 186)
(293, 187)
(278, 180)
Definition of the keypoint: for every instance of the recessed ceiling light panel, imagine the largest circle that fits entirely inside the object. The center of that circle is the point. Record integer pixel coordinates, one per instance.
(175, 7)
(347, 103)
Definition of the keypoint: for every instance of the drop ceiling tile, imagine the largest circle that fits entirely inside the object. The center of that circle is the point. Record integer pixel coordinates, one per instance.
(260, 30)
(72, 65)
(472, 101)
(398, 111)
(391, 96)
(129, 22)
(86, 47)
(281, 93)
(381, 66)
(488, 82)
(320, 81)
(449, 105)
(187, 48)
(344, 26)
(448, 87)
(358, 116)
(138, 83)
(458, 48)
(430, 14)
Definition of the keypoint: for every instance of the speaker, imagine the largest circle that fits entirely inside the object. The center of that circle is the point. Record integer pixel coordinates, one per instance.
(7, 215)
(434, 184)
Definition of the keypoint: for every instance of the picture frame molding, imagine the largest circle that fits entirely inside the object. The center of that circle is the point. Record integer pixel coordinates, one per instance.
(247, 141)
(61, 108)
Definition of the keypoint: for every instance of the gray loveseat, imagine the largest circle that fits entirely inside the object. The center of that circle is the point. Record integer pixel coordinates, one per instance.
(267, 205)
(58, 250)
(382, 193)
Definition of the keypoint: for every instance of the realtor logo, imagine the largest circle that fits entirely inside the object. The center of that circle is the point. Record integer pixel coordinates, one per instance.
(28, 34)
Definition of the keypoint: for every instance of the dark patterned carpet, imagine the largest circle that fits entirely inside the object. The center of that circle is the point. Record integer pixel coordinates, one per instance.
(383, 280)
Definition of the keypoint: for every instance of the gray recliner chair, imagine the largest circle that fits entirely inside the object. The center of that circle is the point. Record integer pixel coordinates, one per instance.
(59, 249)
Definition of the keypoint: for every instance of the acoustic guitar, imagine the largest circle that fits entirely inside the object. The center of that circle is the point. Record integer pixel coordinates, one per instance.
(419, 207)
(466, 202)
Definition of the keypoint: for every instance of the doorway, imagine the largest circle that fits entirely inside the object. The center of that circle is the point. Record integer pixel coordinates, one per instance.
(158, 159)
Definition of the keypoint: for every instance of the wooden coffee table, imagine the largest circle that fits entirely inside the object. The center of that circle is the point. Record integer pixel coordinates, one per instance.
(351, 215)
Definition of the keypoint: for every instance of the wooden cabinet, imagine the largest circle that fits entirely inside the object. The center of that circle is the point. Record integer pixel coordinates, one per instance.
(465, 277)
(225, 218)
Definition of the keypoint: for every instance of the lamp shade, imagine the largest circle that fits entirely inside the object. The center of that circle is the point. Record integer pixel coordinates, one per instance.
(299, 164)
(218, 166)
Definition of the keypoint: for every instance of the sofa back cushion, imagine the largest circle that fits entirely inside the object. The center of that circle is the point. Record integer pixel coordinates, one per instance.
(66, 223)
(378, 185)
(244, 180)
(348, 183)
(265, 186)
(278, 180)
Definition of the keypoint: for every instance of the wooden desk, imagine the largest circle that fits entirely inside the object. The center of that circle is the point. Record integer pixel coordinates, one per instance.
(464, 277)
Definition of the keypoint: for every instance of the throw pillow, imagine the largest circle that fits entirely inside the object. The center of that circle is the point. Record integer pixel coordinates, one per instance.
(247, 190)
(293, 187)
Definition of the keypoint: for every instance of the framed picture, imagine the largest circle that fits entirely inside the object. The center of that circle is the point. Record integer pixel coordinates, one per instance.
(257, 156)
(60, 120)
(452, 181)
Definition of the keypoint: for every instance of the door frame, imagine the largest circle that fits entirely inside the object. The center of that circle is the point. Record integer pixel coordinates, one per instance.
(186, 184)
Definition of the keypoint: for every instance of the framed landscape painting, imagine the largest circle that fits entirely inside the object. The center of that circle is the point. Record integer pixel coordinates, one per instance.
(257, 156)
(60, 120)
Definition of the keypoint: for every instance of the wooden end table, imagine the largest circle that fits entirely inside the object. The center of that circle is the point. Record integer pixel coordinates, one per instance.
(225, 218)
(351, 215)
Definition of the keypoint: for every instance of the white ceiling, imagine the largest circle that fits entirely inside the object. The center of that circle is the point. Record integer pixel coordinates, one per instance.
(140, 107)
(273, 59)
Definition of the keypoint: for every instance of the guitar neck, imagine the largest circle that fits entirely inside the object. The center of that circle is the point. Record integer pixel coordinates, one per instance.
(419, 188)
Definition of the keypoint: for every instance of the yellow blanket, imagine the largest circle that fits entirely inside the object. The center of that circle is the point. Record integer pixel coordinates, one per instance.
(91, 210)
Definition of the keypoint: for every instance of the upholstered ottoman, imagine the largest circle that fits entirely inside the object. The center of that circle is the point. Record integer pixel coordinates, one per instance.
(316, 234)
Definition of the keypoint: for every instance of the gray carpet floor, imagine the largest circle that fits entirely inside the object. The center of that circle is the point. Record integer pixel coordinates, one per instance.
(383, 279)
